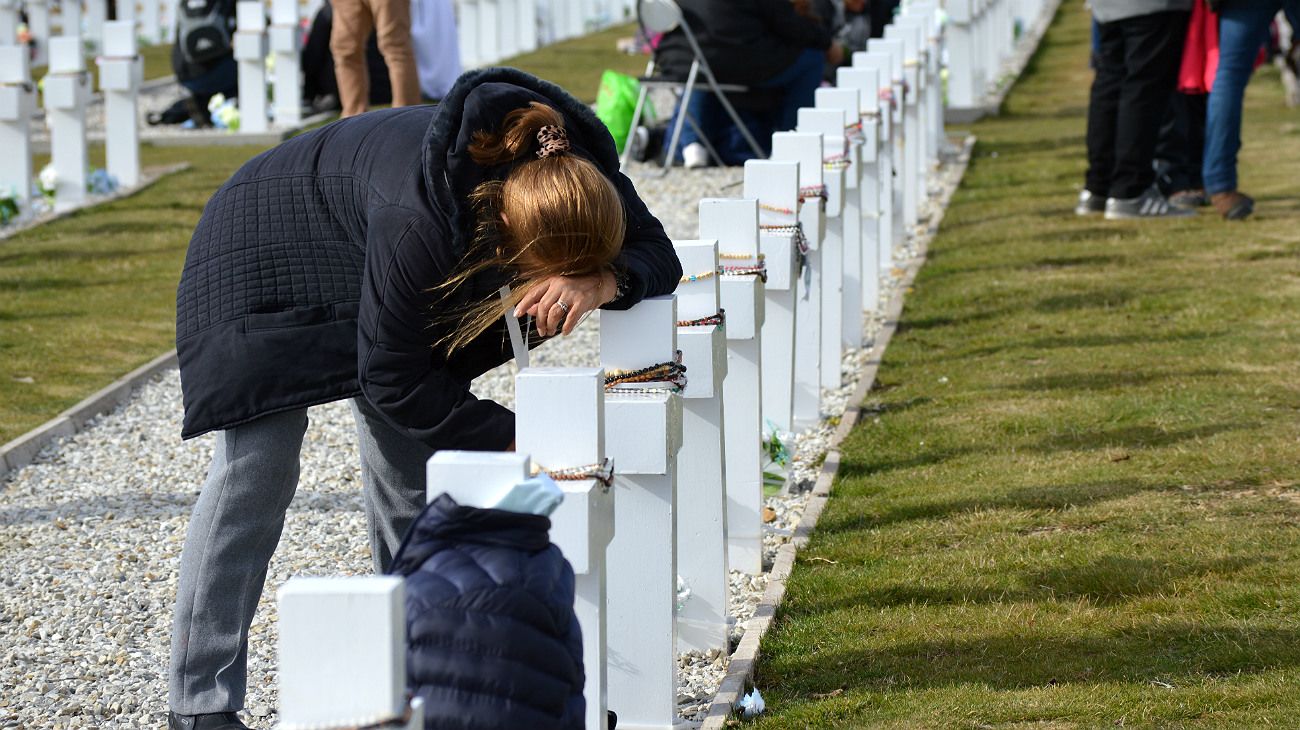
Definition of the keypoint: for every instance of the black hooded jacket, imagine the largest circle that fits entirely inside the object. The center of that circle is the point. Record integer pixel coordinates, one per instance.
(492, 638)
(308, 277)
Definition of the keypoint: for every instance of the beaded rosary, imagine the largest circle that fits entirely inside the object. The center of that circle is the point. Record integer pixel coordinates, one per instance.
(673, 373)
(792, 229)
(720, 319)
(699, 277)
(602, 472)
(812, 191)
(759, 270)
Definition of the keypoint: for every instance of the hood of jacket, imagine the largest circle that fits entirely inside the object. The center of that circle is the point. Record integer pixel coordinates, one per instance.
(478, 101)
(444, 523)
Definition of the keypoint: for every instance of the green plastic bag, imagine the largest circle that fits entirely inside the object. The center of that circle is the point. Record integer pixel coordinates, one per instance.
(616, 103)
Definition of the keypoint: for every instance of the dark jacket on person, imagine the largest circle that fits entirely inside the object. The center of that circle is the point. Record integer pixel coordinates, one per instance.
(492, 639)
(744, 41)
(308, 277)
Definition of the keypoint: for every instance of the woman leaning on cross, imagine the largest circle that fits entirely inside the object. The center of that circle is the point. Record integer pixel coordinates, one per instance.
(365, 260)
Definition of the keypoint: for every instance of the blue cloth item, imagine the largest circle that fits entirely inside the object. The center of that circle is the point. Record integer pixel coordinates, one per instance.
(492, 639)
(537, 496)
(1243, 30)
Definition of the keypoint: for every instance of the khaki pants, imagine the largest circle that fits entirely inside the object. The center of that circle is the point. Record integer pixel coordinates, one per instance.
(353, 21)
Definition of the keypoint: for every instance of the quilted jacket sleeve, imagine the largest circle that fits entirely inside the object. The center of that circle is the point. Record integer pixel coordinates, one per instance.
(647, 257)
(396, 367)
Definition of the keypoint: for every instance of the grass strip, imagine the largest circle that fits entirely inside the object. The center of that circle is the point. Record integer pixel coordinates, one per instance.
(1076, 503)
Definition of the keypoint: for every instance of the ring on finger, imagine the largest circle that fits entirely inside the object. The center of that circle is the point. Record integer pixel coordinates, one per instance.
(564, 306)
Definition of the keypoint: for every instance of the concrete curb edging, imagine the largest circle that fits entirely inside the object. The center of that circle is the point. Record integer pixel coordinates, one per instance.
(744, 659)
(23, 450)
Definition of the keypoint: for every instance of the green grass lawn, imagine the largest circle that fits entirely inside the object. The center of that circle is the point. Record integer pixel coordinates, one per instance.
(1075, 502)
(86, 299)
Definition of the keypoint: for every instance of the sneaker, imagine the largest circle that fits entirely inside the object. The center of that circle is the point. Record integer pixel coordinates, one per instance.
(211, 721)
(695, 155)
(1090, 203)
(1189, 199)
(1150, 204)
(640, 142)
(1233, 205)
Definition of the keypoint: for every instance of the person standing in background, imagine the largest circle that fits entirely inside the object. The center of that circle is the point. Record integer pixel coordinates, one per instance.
(353, 22)
(1140, 46)
(1243, 30)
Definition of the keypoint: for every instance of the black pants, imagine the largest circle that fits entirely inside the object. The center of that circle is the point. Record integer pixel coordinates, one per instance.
(1137, 70)
(1182, 140)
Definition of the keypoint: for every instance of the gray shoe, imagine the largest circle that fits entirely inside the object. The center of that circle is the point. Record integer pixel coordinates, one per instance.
(1150, 204)
(1090, 203)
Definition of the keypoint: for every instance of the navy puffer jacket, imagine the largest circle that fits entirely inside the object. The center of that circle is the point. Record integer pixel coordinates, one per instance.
(493, 642)
(308, 277)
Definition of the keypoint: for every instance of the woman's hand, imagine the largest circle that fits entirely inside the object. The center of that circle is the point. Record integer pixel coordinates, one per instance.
(580, 294)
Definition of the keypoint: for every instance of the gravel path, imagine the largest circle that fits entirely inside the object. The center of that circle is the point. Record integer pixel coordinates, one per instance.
(91, 532)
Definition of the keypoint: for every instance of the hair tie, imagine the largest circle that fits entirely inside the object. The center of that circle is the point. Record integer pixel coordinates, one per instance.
(552, 140)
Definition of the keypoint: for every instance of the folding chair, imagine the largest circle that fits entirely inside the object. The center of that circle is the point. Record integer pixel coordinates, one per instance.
(664, 16)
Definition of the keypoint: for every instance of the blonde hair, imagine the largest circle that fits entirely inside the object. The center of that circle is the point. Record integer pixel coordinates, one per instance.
(565, 218)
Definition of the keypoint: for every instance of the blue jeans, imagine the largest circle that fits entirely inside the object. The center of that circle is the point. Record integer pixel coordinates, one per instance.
(1243, 30)
(798, 81)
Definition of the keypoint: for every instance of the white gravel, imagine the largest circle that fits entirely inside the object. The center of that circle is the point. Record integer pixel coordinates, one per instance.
(91, 532)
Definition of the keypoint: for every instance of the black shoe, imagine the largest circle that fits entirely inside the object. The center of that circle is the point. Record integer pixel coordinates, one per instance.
(212, 721)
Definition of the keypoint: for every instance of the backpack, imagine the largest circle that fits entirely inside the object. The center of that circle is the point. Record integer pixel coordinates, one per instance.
(203, 29)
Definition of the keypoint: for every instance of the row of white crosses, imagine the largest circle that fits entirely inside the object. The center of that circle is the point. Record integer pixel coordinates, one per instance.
(66, 94)
(793, 263)
(154, 21)
(491, 30)
(981, 37)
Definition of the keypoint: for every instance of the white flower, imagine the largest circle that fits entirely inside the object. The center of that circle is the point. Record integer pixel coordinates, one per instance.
(49, 177)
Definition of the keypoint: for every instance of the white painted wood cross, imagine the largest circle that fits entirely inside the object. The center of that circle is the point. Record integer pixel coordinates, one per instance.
(527, 26)
(560, 423)
(643, 432)
(8, 22)
(890, 225)
(17, 102)
(806, 149)
(906, 32)
(846, 102)
(775, 185)
(897, 79)
(250, 54)
(734, 225)
(342, 653)
(926, 18)
(120, 74)
(489, 23)
(96, 17)
(38, 22)
(70, 17)
(67, 91)
(829, 123)
(702, 506)
(863, 85)
(962, 67)
(151, 30)
(286, 45)
(467, 32)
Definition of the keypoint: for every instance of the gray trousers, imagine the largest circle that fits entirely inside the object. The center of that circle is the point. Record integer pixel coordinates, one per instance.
(236, 526)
